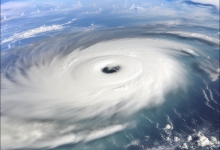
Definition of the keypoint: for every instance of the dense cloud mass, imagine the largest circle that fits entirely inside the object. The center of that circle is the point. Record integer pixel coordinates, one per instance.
(53, 89)
(110, 75)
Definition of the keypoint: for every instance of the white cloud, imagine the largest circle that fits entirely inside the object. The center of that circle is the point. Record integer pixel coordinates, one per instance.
(196, 35)
(78, 5)
(69, 22)
(136, 8)
(23, 134)
(35, 12)
(32, 32)
(5, 18)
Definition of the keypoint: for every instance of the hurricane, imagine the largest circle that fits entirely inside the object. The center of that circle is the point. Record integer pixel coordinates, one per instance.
(145, 86)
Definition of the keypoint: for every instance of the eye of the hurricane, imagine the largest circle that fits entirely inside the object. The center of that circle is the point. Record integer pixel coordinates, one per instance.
(111, 69)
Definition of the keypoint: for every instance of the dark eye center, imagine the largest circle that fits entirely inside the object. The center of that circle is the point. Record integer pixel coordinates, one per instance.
(111, 69)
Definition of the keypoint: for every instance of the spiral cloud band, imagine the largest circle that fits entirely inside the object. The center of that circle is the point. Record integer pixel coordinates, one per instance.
(103, 79)
(50, 93)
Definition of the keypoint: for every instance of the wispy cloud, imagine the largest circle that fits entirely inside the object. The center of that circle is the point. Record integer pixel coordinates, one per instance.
(136, 8)
(32, 32)
(77, 5)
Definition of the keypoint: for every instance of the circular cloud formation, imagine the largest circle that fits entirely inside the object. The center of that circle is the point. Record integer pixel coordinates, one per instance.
(112, 77)
(107, 70)
(58, 92)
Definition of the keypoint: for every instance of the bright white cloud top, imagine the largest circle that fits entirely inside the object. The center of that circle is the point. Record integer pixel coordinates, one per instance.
(146, 70)
(108, 78)
(95, 77)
